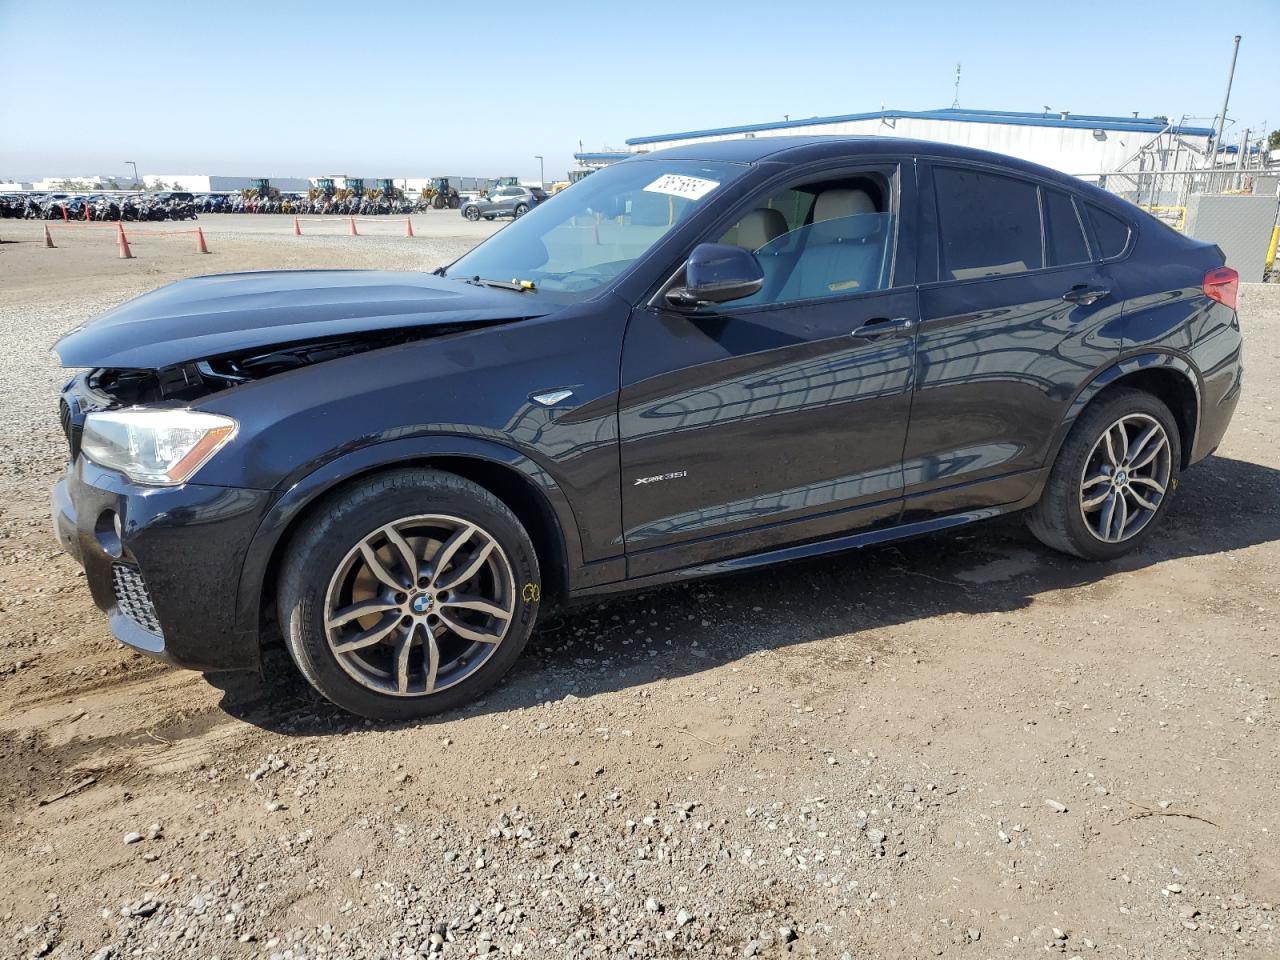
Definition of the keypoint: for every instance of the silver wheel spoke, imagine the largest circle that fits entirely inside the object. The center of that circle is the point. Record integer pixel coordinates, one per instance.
(358, 611)
(1110, 449)
(459, 577)
(367, 638)
(478, 603)
(1142, 501)
(1121, 517)
(433, 657)
(1108, 514)
(1151, 482)
(406, 552)
(1149, 451)
(469, 632)
(378, 568)
(449, 548)
(403, 648)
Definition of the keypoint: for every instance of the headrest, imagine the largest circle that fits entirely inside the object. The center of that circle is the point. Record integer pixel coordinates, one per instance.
(760, 227)
(834, 204)
(840, 216)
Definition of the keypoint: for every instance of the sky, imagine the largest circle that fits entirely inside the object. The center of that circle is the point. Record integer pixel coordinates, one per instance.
(399, 88)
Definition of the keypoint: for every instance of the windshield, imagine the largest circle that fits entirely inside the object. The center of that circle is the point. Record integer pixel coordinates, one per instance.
(582, 238)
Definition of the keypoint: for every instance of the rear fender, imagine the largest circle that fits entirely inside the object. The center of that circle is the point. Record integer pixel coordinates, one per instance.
(1126, 366)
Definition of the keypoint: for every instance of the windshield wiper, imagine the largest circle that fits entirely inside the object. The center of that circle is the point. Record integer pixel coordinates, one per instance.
(520, 286)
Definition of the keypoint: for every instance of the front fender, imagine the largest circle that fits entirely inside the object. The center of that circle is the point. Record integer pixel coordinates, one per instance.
(375, 457)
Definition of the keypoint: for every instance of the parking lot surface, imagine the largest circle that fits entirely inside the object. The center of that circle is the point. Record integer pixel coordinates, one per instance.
(961, 746)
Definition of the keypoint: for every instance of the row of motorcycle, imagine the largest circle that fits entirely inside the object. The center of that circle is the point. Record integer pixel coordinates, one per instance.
(162, 206)
(116, 207)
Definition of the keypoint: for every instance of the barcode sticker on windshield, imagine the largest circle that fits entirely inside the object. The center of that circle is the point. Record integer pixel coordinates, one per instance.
(691, 188)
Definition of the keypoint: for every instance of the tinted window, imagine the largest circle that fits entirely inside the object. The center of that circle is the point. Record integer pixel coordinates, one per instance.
(1063, 234)
(987, 225)
(1111, 231)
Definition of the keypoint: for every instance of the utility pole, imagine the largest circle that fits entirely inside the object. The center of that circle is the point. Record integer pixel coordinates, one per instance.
(1222, 117)
(542, 173)
(135, 170)
(955, 101)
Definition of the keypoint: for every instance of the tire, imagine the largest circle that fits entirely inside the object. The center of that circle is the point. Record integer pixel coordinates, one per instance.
(324, 571)
(1067, 518)
(473, 214)
(520, 210)
(455, 203)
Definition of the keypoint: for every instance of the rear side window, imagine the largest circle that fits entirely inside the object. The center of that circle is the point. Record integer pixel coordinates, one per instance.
(988, 225)
(1111, 231)
(1063, 234)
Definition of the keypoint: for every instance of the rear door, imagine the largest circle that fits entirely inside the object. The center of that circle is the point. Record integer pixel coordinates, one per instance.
(1014, 316)
(781, 417)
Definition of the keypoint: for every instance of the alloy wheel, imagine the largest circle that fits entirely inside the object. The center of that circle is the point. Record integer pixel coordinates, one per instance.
(1125, 478)
(419, 605)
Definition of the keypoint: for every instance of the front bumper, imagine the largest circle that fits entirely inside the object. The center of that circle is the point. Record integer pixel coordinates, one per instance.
(167, 572)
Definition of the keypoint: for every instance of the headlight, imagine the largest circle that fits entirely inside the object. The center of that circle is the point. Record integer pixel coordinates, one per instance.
(163, 447)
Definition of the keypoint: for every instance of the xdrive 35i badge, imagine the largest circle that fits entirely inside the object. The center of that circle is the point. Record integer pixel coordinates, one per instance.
(658, 478)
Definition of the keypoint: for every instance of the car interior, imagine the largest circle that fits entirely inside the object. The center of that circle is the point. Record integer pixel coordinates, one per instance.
(820, 239)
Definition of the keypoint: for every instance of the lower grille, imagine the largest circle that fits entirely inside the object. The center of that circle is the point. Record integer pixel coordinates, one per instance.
(132, 598)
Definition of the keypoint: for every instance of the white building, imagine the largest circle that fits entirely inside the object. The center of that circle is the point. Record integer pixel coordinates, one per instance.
(205, 183)
(1073, 143)
(51, 184)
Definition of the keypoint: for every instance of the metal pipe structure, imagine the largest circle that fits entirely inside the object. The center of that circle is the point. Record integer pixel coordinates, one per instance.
(1222, 117)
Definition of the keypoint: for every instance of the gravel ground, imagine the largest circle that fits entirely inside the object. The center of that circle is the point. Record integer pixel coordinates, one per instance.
(963, 746)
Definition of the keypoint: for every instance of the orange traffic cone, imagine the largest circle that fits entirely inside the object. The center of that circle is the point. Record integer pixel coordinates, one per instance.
(408, 226)
(48, 238)
(65, 217)
(353, 226)
(200, 244)
(297, 227)
(88, 213)
(123, 241)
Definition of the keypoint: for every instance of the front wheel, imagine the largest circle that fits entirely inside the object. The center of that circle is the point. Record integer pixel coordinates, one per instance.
(1113, 480)
(410, 593)
(472, 214)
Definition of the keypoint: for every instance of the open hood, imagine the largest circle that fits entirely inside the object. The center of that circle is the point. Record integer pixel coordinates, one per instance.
(214, 316)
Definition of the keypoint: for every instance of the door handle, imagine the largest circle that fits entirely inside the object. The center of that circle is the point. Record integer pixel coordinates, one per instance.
(884, 326)
(1084, 294)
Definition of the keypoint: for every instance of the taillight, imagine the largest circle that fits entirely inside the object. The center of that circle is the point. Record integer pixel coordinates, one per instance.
(1222, 284)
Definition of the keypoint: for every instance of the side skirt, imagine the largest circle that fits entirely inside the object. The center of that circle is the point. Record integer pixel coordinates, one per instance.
(854, 541)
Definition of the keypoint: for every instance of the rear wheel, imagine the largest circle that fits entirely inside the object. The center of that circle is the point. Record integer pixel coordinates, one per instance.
(521, 210)
(472, 214)
(412, 592)
(1113, 480)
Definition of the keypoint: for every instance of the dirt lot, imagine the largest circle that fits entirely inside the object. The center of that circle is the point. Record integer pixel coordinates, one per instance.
(965, 746)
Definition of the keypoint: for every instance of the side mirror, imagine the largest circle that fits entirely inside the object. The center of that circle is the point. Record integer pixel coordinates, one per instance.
(717, 273)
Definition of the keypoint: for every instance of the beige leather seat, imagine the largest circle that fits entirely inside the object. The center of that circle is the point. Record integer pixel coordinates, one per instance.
(844, 251)
(760, 227)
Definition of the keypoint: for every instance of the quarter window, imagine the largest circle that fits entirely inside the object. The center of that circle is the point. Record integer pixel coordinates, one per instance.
(987, 225)
(1063, 234)
(1111, 231)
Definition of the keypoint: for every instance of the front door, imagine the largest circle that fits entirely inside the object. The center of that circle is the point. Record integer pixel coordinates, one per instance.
(781, 417)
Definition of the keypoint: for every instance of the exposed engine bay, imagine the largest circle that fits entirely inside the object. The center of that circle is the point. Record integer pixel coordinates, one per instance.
(110, 387)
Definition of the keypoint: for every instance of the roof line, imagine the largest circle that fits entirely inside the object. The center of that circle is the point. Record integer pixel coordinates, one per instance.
(1016, 118)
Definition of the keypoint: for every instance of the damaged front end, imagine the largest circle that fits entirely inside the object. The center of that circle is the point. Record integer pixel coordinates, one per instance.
(109, 388)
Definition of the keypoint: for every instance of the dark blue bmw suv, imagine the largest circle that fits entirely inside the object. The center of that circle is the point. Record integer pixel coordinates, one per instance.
(694, 361)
